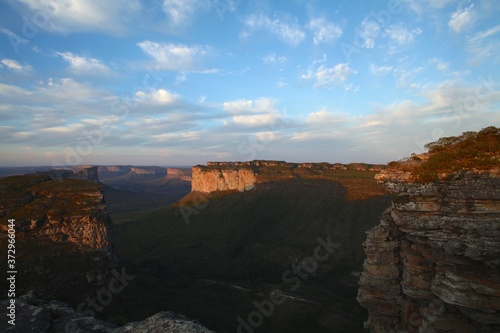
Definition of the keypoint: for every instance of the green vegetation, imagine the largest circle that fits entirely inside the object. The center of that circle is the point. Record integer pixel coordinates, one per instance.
(469, 151)
(54, 270)
(33, 197)
(249, 239)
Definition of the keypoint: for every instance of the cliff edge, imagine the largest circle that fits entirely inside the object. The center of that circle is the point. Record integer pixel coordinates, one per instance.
(245, 176)
(433, 263)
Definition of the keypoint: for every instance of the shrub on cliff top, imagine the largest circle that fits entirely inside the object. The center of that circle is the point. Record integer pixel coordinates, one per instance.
(469, 151)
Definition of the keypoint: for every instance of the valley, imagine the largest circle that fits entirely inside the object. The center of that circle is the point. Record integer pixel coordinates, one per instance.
(264, 246)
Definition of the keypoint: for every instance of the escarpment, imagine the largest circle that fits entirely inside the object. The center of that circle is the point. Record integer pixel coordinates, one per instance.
(63, 234)
(433, 263)
(222, 180)
(63, 211)
(244, 176)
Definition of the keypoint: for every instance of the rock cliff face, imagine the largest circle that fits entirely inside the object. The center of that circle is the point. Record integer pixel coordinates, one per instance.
(178, 173)
(244, 176)
(63, 211)
(148, 170)
(433, 263)
(86, 173)
(216, 179)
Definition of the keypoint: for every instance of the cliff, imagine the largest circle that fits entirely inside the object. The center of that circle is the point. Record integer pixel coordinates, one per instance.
(62, 211)
(182, 174)
(89, 173)
(244, 176)
(64, 235)
(216, 179)
(433, 263)
(86, 173)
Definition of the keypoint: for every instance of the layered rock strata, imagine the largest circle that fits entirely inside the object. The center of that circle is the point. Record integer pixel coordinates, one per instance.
(212, 180)
(244, 176)
(63, 211)
(433, 263)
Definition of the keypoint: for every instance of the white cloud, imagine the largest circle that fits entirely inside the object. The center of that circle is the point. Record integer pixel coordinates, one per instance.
(273, 59)
(157, 97)
(13, 91)
(324, 31)
(440, 64)
(324, 116)
(110, 16)
(384, 69)
(84, 65)
(254, 120)
(174, 57)
(420, 6)
(259, 105)
(483, 45)
(462, 18)
(290, 33)
(14, 65)
(329, 76)
(369, 32)
(402, 126)
(407, 77)
(181, 12)
(400, 34)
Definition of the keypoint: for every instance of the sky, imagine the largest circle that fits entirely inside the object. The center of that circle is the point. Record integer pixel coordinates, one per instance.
(183, 82)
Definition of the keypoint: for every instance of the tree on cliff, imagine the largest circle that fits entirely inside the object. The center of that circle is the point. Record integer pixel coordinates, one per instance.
(469, 151)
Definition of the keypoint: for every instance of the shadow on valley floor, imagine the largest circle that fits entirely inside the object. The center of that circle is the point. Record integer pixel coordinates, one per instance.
(238, 248)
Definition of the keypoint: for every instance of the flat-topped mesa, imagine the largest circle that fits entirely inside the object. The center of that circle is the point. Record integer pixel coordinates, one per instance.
(433, 263)
(244, 176)
(212, 180)
(147, 170)
(320, 165)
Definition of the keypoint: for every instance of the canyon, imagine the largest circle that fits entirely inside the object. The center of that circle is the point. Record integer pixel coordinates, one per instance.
(430, 265)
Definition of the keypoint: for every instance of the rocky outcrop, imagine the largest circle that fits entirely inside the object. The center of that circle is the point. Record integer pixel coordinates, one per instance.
(89, 173)
(215, 179)
(179, 173)
(62, 211)
(148, 170)
(86, 173)
(244, 176)
(322, 165)
(36, 316)
(433, 263)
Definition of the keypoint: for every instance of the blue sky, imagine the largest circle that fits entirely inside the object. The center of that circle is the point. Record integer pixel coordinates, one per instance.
(182, 82)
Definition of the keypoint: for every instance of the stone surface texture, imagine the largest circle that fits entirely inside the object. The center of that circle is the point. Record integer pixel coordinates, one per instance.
(433, 262)
(36, 316)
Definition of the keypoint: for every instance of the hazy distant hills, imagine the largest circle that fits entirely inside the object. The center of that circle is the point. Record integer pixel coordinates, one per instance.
(150, 179)
(131, 189)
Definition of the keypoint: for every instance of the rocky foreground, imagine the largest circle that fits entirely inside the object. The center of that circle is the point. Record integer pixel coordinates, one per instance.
(37, 316)
(433, 263)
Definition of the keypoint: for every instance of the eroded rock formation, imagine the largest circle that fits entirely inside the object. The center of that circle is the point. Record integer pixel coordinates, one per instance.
(433, 263)
(244, 176)
(178, 173)
(63, 211)
(216, 179)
